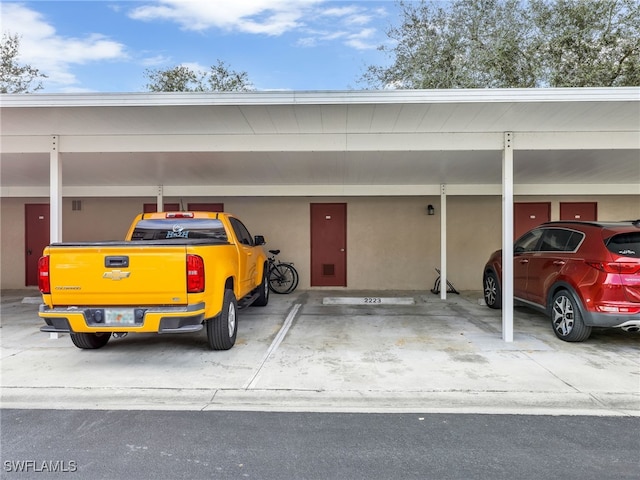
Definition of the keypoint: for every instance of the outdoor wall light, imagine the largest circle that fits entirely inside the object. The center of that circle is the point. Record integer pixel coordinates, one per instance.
(431, 210)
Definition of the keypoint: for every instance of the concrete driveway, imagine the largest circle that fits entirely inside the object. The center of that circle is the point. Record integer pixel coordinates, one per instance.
(329, 351)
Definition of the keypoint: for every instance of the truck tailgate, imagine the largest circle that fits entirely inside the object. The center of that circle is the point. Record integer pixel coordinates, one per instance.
(118, 274)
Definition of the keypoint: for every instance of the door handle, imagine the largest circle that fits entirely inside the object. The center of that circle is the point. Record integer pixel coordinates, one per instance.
(559, 262)
(524, 260)
(342, 249)
(29, 252)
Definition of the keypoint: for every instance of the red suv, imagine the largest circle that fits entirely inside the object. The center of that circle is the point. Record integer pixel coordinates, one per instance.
(582, 274)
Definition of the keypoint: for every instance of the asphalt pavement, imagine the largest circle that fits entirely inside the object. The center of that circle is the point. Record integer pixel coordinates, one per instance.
(330, 351)
(159, 445)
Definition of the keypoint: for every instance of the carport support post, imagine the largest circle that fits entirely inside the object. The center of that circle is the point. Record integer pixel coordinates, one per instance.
(55, 192)
(160, 199)
(507, 238)
(443, 242)
(55, 197)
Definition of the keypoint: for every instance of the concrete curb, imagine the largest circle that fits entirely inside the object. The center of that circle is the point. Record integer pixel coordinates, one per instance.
(530, 403)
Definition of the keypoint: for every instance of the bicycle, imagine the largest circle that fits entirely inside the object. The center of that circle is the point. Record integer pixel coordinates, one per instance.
(282, 276)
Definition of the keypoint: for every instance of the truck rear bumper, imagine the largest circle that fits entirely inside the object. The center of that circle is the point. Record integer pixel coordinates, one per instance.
(169, 319)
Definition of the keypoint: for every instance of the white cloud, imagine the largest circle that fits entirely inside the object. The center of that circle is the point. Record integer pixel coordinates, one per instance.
(317, 20)
(155, 61)
(350, 15)
(269, 17)
(195, 67)
(51, 53)
(349, 25)
(362, 40)
(340, 11)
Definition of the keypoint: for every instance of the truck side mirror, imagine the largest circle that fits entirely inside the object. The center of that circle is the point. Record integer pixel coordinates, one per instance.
(259, 240)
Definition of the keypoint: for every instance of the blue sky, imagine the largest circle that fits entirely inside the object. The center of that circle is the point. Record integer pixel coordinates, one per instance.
(106, 45)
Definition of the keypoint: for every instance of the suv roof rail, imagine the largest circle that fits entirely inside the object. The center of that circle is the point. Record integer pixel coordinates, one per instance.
(575, 222)
(594, 223)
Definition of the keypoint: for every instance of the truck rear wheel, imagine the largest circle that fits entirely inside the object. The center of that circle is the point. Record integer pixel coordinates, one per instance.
(223, 328)
(90, 340)
(263, 291)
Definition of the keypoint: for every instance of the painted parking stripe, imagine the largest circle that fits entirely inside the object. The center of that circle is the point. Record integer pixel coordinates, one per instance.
(276, 343)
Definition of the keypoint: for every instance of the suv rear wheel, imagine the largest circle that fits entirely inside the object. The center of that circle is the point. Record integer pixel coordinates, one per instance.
(566, 319)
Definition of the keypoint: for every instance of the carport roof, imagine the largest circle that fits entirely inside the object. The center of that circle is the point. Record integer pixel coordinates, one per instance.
(400, 142)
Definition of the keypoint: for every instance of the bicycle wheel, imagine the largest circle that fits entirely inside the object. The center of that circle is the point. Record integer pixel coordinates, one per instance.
(281, 278)
(296, 278)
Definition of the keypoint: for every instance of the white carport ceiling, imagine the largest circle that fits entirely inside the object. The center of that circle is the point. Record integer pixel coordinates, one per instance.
(391, 142)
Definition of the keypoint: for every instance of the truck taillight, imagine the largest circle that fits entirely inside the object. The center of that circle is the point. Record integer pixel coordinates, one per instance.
(43, 275)
(195, 274)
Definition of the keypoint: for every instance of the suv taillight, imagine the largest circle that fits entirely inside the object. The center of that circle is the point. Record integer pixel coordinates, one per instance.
(195, 274)
(625, 268)
(43, 275)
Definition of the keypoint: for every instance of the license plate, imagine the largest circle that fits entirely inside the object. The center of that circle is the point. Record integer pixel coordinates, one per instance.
(119, 316)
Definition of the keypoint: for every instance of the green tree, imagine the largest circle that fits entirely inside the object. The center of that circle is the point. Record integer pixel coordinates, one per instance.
(590, 43)
(14, 77)
(220, 78)
(511, 43)
(176, 79)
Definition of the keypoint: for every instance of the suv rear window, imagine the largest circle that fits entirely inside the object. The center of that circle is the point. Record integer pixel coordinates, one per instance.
(174, 228)
(625, 244)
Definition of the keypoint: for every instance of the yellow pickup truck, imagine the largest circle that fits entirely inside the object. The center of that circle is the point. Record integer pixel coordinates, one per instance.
(175, 272)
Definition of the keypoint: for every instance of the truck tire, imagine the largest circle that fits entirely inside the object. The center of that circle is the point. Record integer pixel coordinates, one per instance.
(223, 328)
(263, 291)
(90, 340)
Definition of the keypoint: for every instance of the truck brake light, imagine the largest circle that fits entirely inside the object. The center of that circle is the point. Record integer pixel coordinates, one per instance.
(179, 215)
(43, 275)
(195, 274)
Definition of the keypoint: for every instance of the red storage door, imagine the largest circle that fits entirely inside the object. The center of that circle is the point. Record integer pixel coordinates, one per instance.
(587, 211)
(37, 236)
(527, 216)
(328, 245)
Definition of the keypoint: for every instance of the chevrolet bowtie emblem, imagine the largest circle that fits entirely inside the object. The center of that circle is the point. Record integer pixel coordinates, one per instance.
(116, 274)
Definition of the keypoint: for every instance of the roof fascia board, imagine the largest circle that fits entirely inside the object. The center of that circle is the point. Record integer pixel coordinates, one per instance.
(350, 142)
(281, 142)
(104, 191)
(349, 97)
(576, 140)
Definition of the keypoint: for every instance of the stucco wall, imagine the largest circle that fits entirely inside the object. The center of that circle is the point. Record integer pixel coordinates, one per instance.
(391, 241)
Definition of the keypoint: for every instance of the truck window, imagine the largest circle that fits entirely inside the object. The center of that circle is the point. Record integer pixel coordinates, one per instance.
(174, 228)
(241, 232)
